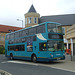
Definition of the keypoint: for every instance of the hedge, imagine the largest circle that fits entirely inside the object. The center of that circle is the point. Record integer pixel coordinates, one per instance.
(2, 50)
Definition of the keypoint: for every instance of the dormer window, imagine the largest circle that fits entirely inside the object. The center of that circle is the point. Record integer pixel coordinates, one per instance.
(10, 30)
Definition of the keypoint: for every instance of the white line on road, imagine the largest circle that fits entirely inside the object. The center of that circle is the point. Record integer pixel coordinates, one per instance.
(4, 62)
(63, 69)
(20, 62)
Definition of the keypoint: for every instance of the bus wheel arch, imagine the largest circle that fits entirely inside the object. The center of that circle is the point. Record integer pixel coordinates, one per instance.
(11, 56)
(34, 58)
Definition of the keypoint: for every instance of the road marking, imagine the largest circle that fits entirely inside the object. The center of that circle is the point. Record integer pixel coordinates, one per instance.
(4, 62)
(63, 69)
(20, 62)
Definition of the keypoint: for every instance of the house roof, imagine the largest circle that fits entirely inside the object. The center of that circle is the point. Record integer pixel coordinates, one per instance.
(7, 29)
(67, 19)
(32, 9)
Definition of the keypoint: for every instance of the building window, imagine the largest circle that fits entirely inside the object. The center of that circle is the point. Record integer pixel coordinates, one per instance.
(35, 20)
(25, 20)
(30, 20)
(63, 30)
(2, 38)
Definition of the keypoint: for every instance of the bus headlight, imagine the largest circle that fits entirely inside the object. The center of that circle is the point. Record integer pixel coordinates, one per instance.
(51, 55)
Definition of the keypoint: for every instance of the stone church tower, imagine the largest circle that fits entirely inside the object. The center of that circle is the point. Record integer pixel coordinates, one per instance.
(32, 17)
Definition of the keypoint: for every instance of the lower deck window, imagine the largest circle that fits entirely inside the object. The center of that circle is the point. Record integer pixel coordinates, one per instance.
(16, 48)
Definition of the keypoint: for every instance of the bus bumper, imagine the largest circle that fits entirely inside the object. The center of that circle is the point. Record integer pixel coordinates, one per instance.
(50, 59)
(58, 58)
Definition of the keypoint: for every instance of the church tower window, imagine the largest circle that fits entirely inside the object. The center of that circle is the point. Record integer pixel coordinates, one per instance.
(30, 20)
(35, 20)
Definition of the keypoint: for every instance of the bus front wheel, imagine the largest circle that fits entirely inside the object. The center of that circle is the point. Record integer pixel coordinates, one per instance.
(34, 58)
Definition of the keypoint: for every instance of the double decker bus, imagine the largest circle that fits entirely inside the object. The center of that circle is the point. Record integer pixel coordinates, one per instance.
(42, 42)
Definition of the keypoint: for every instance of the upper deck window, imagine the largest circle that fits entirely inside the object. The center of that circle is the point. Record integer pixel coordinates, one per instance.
(12, 36)
(41, 29)
(16, 34)
(52, 27)
(25, 32)
(32, 31)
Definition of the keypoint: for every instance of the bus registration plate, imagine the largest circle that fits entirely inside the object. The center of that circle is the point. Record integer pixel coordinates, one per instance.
(58, 58)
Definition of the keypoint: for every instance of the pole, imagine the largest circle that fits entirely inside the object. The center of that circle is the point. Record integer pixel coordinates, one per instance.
(71, 55)
(22, 23)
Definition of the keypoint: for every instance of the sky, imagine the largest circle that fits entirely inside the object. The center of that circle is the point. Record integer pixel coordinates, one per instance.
(11, 10)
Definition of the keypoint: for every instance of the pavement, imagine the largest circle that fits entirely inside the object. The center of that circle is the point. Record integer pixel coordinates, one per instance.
(63, 65)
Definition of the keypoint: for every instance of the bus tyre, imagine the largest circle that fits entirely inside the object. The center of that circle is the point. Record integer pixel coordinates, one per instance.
(34, 58)
(11, 57)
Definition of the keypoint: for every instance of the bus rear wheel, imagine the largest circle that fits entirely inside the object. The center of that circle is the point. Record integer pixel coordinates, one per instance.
(11, 57)
(34, 58)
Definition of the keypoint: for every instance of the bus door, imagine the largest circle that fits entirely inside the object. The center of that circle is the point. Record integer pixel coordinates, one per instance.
(43, 53)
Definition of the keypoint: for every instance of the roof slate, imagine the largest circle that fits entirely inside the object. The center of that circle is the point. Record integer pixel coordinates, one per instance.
(32, 9)
(5, 28)
(67, 19)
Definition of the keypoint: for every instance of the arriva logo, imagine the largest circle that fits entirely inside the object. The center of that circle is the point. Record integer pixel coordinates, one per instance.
(57, 54)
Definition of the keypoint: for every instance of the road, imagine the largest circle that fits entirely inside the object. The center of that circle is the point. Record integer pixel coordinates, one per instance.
(21, 67)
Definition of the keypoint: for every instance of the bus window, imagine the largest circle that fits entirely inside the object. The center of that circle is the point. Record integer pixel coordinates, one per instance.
(51, 27)
(23, 39)
(54, 45)
(59, 29)
(20, 33)
(32, 31)
(16, 34)
(41, 29)
(34, 38)
(25, 32)
(55, 36)
(12, 36)
(20, 48)
(54, 28)
(43, 47)
(10, 48)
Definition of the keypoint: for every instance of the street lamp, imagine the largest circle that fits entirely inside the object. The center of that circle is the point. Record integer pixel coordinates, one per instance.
(21, 21)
